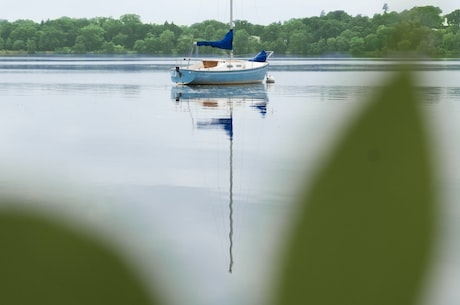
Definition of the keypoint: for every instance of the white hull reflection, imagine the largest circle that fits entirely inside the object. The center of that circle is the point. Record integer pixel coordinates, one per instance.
(219, 97)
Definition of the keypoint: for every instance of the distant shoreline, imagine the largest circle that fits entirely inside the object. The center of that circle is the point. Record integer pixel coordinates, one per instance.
(418, 32)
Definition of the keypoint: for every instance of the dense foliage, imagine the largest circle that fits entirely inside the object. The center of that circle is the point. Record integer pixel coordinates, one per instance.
(421, 31)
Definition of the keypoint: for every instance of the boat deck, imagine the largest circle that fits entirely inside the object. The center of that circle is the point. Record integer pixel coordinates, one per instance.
(224, 65)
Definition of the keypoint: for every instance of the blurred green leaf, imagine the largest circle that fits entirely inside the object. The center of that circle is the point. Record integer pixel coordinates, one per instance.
(366, 227)
(42, 262)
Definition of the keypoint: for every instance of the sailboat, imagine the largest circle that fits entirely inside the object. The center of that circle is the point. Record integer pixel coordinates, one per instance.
(223, 71)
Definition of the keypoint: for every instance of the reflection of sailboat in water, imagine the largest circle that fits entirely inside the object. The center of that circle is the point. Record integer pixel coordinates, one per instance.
(227, 97)
(217, 96)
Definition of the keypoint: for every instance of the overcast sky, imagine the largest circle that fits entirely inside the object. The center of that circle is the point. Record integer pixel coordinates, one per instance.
(187, 12)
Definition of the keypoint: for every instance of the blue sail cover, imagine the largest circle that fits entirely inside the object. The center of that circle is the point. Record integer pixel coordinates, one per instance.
(226, 43)
(221, 123)
(261, 57)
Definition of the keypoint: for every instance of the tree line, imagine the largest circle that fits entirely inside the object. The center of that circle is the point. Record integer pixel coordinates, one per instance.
(421, 31)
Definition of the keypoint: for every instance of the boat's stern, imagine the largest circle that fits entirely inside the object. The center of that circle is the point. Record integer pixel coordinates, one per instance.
(181, 76)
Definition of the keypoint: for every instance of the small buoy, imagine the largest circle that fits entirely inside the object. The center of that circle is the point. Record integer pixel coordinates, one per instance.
(270, 79)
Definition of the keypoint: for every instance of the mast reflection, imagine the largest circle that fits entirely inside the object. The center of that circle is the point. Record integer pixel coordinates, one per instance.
(223, 99)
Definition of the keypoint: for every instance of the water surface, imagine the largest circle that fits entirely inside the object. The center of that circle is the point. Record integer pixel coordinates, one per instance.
(198, 182)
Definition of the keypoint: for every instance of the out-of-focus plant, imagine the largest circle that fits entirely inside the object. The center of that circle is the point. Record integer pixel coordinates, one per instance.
(366, 226)
(363, 235)
(45, 262)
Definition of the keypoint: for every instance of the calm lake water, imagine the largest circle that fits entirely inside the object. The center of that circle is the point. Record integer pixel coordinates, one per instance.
(197, 182)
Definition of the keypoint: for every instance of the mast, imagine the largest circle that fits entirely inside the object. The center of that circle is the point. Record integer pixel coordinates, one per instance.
(231, 14)
(231, 25)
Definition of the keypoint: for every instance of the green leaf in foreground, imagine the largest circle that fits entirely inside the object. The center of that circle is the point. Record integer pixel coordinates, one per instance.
(366, 227)
(42, 262)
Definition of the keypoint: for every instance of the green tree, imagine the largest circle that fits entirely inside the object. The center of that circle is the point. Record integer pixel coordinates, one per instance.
(451, 42)
(254, 44)
(429, 16)
(317, 48)
(112, 28)
(120, 39)
(342, 44)
(51, 38)
(453, 18)
(139, 46)
(298, 43)
(24, 30)
(241, 42)
(70, 29)
(130, 19)
(5, 29)
(322, 46)
(19, 45)
(108, 47)
(278, 46)
(356, 46)
(331, 28)
(404, 45)
(198, 29)
(344, 39)
(210, 32)
(385, 8)
(291, 26)
(174, 28)
(184, 43)
(272, 33)
(341, 16)
(133, 28)
(331, 44)
(371, 42)
(362, 25)
(31, 46)
(167, 40)
(385, 35)
(429, 45)
(314, 25)
(152, 44)
(91, 39)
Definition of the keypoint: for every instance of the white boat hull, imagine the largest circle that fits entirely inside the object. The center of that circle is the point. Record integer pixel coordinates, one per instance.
(220, 72)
